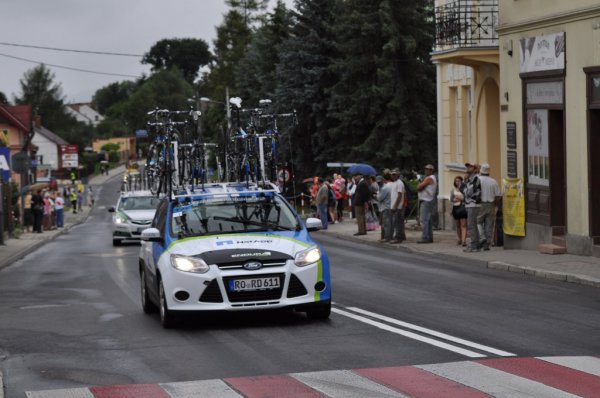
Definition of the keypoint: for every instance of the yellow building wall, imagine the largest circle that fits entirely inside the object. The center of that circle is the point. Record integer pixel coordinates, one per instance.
(580, 20)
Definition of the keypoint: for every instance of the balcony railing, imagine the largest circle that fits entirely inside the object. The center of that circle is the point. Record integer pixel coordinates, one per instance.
(466, 23)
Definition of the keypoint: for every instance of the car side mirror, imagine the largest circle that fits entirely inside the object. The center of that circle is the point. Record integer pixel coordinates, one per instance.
(151, 235)
(111, 209)
(313, 224)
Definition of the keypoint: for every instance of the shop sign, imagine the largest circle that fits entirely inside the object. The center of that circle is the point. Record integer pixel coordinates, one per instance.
(545, 93)
(542, 53)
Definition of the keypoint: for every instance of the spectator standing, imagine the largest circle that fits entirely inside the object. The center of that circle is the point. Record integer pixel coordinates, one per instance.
(27, 212)
(340, 186)
(321, 200)
(59, 206)
(472, 192)
(490, 196)
(361, 201)
(385, 214)
(459, 211)
(91, 198)
(37, 208)
(47, 218)
(351, 192)
(80, 199)
(331, 200)
(427, 193)
(397, 199)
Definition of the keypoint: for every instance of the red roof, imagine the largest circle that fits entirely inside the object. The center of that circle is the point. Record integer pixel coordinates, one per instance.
(19, 116)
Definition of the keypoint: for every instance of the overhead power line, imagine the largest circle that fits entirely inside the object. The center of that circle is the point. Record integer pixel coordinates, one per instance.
(68, 67)
(71, 50)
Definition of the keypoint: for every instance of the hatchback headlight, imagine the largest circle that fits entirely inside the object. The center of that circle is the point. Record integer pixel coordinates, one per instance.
(121, 218)
(308, 256)
(189, 264)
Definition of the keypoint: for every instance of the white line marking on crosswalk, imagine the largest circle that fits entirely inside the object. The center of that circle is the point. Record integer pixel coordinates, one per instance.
(589, 365)
(410, 335)
(433, 333)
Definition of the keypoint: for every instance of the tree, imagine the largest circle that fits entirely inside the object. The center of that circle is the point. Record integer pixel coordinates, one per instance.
(46, 98)
(107, 96)
(304, 77)
(3, 99)
(189, 55)
(256, 73)
(385, 89)
(250, 10)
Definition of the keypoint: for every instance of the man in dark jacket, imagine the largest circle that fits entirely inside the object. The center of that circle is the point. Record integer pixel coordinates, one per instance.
(361, 197)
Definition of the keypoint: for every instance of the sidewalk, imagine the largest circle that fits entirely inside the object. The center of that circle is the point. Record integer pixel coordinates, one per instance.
(564, 267)
(15, 249)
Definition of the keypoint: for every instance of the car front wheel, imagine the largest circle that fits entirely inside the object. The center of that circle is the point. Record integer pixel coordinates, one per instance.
(167, 318)
(147, 305)
(319, 311)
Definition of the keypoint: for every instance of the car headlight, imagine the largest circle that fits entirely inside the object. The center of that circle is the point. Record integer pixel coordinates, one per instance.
(189, 264)
(121, 218)
(308, 256)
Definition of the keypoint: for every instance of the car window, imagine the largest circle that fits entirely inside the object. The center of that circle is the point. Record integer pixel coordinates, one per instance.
(218, 215)
(160, 216)
(139, 203)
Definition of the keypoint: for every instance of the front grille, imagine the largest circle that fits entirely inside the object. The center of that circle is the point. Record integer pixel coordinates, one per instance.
(141, 222)
(296, 287)
(212, 293)
(255, 295)
(238, 265)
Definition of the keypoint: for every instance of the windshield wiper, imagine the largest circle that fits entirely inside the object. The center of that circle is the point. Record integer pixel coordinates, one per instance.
(269, 224)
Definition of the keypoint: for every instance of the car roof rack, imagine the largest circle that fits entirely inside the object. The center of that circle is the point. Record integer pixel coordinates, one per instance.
(224, 189)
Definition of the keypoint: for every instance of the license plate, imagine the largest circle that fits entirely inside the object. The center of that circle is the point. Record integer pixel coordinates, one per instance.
(243, 285)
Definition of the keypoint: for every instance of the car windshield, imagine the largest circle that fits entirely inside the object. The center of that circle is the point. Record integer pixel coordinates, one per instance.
(139, 203)
(218, 215)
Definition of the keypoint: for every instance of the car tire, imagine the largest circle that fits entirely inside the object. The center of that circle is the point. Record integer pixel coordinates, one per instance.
(319, 311)
(116, 242)
(167, 318)
(147, 305)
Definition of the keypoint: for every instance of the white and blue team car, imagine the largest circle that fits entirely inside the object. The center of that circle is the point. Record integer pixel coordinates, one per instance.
(232, 247)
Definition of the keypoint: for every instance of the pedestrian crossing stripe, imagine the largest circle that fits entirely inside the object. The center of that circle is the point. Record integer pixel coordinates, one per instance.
(535, 377)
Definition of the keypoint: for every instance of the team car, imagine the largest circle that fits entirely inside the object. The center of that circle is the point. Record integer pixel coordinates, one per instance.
(133, 213)
(232, 247)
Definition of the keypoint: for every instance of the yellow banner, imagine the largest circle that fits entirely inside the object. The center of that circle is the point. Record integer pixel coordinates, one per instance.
(513, 207)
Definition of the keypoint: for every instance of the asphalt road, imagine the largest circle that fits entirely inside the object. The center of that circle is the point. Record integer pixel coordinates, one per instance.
(71, 317)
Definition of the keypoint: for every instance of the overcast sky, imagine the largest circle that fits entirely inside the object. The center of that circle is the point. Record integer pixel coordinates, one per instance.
(116, 26)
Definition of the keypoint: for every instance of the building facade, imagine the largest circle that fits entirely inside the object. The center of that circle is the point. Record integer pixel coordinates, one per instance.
(468, 80)
(550, 119)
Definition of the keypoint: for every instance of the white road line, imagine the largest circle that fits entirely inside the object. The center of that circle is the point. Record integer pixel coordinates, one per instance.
(433, 333)
(200, 389)
(493, 381)
(589, 365)
(345, 384)
(64, 393)
(410, 335)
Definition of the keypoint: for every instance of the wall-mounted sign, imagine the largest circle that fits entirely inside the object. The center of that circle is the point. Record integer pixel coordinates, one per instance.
(545, 93)
(511, 163)
(542, 53)
(511, 135)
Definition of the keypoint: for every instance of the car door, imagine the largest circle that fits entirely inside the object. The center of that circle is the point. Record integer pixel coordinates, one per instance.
(153, 250)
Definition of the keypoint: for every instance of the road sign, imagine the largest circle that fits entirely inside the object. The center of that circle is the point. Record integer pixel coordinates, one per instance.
(284, 175)
(5, 163)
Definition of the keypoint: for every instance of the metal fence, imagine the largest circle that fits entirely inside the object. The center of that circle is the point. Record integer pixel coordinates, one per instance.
(466, 23)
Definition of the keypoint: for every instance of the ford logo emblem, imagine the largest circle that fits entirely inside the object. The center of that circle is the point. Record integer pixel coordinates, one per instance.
(252, 265)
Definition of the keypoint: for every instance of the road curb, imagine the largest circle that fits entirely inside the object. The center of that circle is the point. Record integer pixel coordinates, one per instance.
(494, 264)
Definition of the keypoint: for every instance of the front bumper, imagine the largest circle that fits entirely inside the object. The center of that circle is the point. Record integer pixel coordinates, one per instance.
(211, 291)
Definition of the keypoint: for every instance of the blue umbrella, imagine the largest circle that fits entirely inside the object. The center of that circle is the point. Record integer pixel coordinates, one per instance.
(362, 168)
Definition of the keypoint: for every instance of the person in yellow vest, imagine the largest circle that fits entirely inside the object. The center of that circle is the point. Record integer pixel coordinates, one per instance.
(73, 199)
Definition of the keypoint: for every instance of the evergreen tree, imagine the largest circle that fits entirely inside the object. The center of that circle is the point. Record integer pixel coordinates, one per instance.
(304, 77)
(250, 10)
(3, 99)
(256, 72)
(356, 101)
(45, 96)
